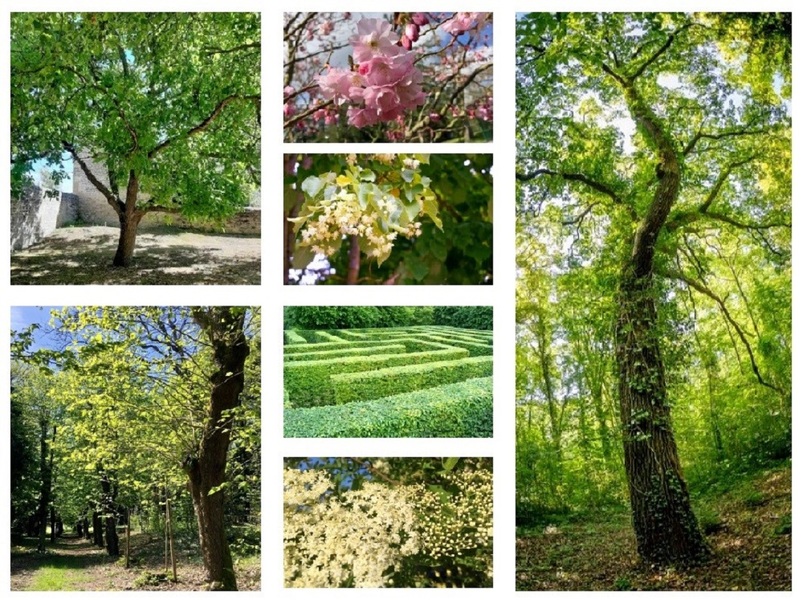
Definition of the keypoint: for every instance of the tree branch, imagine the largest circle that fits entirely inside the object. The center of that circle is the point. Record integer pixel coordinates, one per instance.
(657, 54)
(721, 135)
(602, 188)
(208, 120)
(113, 200)
(699, 287)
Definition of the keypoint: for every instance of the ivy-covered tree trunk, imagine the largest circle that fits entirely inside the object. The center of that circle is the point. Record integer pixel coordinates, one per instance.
(665, 526)
(664, 523)
(207, 472)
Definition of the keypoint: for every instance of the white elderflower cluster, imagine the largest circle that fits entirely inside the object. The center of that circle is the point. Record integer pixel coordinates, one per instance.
(463, 523)
(356, 537)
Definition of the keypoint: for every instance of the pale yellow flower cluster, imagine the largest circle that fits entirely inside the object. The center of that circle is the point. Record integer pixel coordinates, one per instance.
(355, 537)
(342, 216)
(462, 524)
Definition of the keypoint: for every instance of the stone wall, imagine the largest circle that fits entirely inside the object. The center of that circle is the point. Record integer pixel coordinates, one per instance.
(37, 214)
(95, 210)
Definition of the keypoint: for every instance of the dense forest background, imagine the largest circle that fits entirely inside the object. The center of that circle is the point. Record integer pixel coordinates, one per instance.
(653, 301)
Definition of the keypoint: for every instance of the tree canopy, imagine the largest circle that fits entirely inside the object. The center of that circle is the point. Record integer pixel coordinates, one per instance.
(134, 403)
(654, 230)
(167, 104)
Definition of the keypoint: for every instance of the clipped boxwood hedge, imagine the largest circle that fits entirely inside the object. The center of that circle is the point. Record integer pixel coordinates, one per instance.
(463, 409)
(366, 349)
(310, 383)
(356, 387)
(292, 337)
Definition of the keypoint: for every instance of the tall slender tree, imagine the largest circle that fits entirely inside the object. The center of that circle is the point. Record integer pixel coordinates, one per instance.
(637, 132)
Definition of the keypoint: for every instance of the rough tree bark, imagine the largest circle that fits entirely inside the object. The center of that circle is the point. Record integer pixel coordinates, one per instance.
(664, 523)
(224, 327)
(129, 218)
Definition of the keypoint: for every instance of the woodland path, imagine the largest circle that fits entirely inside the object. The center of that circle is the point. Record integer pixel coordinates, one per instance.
(74, 564)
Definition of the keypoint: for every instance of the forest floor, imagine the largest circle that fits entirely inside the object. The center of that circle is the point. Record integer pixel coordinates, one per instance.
(748, 529)
(74, 564)
(163, 256)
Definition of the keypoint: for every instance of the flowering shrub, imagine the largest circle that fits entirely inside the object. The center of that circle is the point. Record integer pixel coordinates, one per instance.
(387, 532)
(388, 219)
(461, 526)
(353, 538)
(375, 201)
(411, 77)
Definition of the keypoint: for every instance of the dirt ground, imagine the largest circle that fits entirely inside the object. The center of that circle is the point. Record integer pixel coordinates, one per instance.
(74, 564)
(164, 256)
(751, 550)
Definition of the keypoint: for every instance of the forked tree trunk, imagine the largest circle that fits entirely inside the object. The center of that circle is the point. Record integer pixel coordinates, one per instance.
(207, 471)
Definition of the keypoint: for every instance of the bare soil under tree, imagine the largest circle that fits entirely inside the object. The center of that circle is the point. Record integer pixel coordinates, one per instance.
(748, 529)
(164, 256)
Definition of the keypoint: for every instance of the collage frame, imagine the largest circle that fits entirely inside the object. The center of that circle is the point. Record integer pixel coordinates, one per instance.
(272, 296)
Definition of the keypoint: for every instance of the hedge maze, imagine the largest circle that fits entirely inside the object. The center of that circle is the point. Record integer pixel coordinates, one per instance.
(423, 381)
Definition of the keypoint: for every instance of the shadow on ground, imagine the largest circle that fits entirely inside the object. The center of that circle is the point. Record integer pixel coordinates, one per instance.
(167, 256)
(75, 564)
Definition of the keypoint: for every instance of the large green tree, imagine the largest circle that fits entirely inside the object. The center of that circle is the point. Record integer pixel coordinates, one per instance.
(167, 104)
(154, 398)
(652, 140)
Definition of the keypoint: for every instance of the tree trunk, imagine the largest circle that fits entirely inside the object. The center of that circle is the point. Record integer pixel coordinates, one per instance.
(45, 473)
(110, 516)
(207, 471)
(665, 526)
(97, 529)
(129, 222)
(353, 274)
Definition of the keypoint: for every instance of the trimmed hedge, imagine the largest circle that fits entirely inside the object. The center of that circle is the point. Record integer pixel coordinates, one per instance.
(411, 344)
(355, 317)
(476, 348)
(463, 409)
(340, 352)
(465, 317)
(291, 337)
(355, 387)
(310, 383)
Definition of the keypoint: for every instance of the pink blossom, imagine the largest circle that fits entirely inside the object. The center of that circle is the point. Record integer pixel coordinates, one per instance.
(463, 21)
(288, 90)
(411, 30)
(326, 27)
(337, 84)
(374, 37)
(420, 19)
(406, 42)
(360, 117)
(289, 110)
